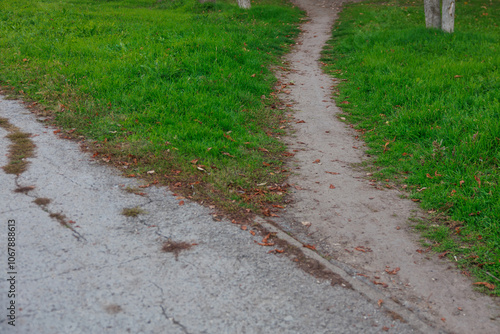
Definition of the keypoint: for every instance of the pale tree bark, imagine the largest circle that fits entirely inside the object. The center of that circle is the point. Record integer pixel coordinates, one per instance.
(448, 15)
(245, 4)
(432, 10)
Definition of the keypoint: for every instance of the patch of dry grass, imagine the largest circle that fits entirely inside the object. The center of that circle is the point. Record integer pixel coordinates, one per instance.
(21, 148)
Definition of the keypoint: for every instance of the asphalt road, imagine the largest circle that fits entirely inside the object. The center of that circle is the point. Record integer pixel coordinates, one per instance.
(107, 273)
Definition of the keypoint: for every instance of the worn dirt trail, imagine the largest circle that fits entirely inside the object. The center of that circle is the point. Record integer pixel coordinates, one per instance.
(359, 227)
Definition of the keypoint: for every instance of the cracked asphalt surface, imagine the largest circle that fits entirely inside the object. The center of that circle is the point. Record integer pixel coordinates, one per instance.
(107, 273)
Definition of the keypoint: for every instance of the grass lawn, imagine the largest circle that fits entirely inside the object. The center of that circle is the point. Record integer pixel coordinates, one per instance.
(428, 105)
(172, 91)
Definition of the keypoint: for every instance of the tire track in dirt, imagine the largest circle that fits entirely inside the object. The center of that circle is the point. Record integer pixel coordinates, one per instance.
(351, 221)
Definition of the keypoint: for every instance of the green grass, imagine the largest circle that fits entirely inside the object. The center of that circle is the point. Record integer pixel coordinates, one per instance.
(158, 84)
(428, 105)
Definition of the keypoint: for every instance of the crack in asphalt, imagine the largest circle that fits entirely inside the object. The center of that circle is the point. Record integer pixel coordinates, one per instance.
(164, 312)
(96, 268)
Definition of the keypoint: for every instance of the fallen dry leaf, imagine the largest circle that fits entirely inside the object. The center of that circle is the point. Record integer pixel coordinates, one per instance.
(244, 227)
(379, 303)
(478, 180)
(306, 223)
(276, 251)
(265, 243)
(486, 284)
(229, 137)
(333, 173)
(332, 186)
(252, 232)
(309, 246)
(443, 255)
(363, 249)
(380, 283)
(317, 161)
(300, 122)
(181, 203)
(392, 272)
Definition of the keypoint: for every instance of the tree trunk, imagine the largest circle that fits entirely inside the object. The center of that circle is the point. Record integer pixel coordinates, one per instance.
(245, 4)
(433, 13)
(448, 15)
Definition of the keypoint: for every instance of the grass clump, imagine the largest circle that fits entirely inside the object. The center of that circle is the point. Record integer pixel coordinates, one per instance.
(158, 84)
(132, 212)
(428, 105)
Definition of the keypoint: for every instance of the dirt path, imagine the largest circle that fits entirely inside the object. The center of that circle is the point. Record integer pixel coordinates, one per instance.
(349, 220)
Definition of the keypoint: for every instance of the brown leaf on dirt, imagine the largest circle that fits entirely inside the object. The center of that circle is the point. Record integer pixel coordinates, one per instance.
(252, 232)
(309, 246)
(317, 161)
(392, 272)
(278, 206)
(266, 212)
(333, 173)
(300, 122)
(181, 203)
(244, 227)
(415, 200)
(276, 251)
(380, 283)
(363, 249)
(379, 303)
(332, 186)
(385, 328)
(443, 319)
(478, 180)
(486, 284)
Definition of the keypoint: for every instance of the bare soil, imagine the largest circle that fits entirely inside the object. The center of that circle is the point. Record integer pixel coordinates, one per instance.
(350, 221)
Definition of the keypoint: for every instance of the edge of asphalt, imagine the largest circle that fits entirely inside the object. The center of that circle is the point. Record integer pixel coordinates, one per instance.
(359, 284)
